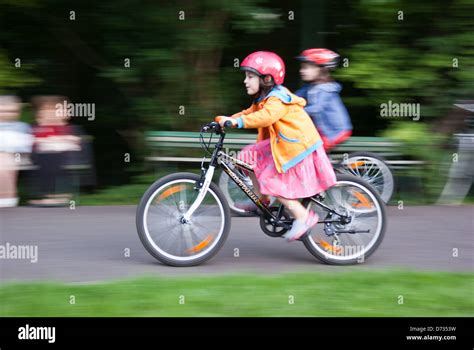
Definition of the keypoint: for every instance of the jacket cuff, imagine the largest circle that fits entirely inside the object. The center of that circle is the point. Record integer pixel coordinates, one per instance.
(240, 123)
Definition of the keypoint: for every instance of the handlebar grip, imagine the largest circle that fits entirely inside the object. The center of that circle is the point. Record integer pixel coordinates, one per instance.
(209, 127)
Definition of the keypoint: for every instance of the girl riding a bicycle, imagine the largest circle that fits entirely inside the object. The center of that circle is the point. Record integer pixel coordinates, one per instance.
(290, 161)
(184, 219)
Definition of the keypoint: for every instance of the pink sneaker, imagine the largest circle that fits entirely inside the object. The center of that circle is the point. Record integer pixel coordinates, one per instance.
(299, 227)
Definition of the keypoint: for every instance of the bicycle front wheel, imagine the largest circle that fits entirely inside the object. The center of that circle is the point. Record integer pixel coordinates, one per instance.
(174, 241)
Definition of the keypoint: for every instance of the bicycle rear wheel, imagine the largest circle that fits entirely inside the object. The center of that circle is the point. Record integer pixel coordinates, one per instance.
(373, 169)
(351, 243)
(164, 233)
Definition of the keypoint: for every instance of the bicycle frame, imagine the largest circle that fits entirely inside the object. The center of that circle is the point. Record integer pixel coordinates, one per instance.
(221, 159)
(224, 160)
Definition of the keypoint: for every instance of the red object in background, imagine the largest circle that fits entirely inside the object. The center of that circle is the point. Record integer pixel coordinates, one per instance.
(343, 136)
(55, 138)
(320, 57)
(51, 130)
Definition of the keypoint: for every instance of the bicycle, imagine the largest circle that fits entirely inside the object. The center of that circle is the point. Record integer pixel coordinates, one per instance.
(183, 219)
(368, 166)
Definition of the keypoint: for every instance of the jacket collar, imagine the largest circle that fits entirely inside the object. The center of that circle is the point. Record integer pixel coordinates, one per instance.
(278, 91)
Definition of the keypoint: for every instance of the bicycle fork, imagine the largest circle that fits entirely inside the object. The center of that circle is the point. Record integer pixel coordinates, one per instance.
(203, 186)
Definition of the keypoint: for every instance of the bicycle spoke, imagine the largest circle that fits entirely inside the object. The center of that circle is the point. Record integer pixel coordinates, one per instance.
(356, 203)
(198, 235)
(372, 164)
(161, 207)
(376, 174)
(178, 239)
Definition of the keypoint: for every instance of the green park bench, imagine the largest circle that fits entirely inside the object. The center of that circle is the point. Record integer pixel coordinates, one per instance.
(184, 146)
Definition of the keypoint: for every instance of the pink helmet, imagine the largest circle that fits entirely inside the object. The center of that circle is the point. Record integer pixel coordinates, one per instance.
(265, 63)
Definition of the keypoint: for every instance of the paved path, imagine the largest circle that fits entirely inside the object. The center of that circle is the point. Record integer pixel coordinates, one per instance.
(89, 244)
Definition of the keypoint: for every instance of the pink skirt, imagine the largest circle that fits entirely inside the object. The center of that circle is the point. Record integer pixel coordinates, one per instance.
(314, 174)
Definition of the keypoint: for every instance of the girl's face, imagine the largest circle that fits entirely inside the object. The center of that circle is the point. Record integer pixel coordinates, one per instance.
(252, 83)
(309, 72)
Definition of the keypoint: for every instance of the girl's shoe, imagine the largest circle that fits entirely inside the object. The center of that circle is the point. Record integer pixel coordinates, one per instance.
(300, 227)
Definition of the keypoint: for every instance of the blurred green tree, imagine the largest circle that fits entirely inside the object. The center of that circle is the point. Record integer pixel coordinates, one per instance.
(145, 65)
(413, 52)
(172, 56)
(14, 74)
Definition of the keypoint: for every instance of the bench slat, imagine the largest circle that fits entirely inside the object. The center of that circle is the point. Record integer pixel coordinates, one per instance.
(167, 140)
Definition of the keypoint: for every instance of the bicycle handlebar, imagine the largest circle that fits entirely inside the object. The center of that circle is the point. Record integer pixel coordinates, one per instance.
(214, 126)
(210, 127)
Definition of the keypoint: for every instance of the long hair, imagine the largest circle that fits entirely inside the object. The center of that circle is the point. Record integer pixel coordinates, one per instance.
(324, 76)
(266, 85)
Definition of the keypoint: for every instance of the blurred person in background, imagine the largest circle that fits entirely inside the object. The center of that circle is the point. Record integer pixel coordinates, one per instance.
(15, 139)
(324, 105)
(55, 143)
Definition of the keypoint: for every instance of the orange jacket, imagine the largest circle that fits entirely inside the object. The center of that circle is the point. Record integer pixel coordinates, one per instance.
(280, 116)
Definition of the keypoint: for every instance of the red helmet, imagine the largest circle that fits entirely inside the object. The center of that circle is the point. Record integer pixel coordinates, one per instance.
(265, 63)
(321, 57)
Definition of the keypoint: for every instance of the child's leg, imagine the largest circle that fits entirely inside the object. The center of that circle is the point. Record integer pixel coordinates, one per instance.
(256, 189)
(8, 176)
(249, 205)
(249, 155)
(296, 208)
(304, 219)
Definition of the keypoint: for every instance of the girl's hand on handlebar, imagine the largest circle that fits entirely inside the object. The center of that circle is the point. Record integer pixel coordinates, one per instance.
(223, 119)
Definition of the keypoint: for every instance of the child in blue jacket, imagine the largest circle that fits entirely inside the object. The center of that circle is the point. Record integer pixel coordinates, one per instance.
(324, 105)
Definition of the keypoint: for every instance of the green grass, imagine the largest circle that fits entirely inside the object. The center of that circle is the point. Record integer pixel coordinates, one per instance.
(361, 293)
(469, 199)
